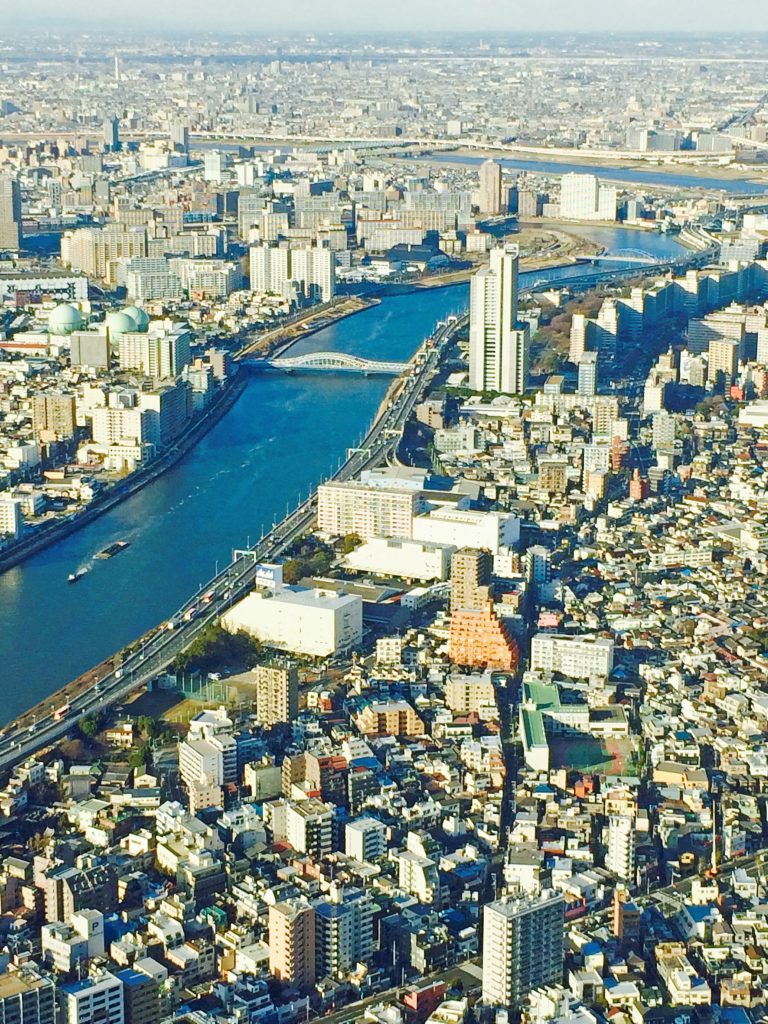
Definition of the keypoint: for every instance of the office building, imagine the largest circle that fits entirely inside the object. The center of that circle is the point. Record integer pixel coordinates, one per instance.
(367, 511)
(98, 998)
(620, 856)
(276, 693)
(489, 195)
(578, 657)
(470, 579)
(365, 839)
(180, 137)
(26, 997)
(522, 947)
(292, 943)
(498, 343)
(10, 213)
(111, 134)
(343, 931)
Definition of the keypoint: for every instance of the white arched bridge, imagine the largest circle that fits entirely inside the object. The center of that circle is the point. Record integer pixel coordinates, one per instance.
(626, 256)
(334, 362)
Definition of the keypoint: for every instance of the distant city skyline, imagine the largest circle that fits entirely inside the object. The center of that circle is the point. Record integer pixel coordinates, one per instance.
(404, 15)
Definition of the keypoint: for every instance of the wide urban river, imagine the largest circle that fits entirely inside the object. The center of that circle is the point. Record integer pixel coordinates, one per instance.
(283, 434)
(628, 175)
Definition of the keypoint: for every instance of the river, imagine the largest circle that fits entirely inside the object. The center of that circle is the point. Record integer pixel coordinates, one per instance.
(628, 175)
(283, 434)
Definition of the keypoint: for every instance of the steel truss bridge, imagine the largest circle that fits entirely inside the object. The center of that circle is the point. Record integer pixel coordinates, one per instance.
(333, 362)
(626, 256)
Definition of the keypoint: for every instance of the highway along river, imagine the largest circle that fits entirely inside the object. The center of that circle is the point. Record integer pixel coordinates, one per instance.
(283, 434)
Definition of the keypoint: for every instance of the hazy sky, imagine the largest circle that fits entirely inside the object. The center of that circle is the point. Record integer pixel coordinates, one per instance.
(399, 15)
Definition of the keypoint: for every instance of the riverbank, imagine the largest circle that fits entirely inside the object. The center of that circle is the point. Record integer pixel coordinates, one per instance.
(117, 493)
(278, 340)
(535, 154)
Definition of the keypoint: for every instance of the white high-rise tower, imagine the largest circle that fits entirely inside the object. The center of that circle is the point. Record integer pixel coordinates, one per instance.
(498, 344)
(522, 947)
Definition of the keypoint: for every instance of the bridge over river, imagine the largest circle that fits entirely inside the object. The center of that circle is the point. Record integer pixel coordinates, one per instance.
(329, 362)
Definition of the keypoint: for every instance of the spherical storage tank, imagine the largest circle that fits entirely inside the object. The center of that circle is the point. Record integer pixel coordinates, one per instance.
(65, 319)
(139, 316)
(118, 322)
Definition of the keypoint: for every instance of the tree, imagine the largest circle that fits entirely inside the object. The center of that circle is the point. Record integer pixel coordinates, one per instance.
(90, 725)
(352, 541)
(140, 757)
(147, 726)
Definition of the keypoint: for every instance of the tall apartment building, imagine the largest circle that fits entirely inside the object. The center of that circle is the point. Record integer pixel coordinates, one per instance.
(211, 759)
(723, 360)
(343, 931)
(578, 657)
(467, 694)
(96, 251)
(313, 268)
(276, 693)
(582, 197)
(54, 413)
(10, 213)
(70, 890)
(587, 375)
(96, 998)
(498, 343)
(470, 578)
(355, 507)
(309, 827)
(620, 856)
(490, 188)
(522, 947)
(389, 718)
(26, 998)
(553, 474)
(141, 996)
(292, 942)
(165, 412)
(480, 639)
(365, 839)
(11, 517)
(156, 354)
(112, 424)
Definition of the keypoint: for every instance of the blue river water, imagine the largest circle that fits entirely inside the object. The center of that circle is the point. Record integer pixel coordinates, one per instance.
(284, 434)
